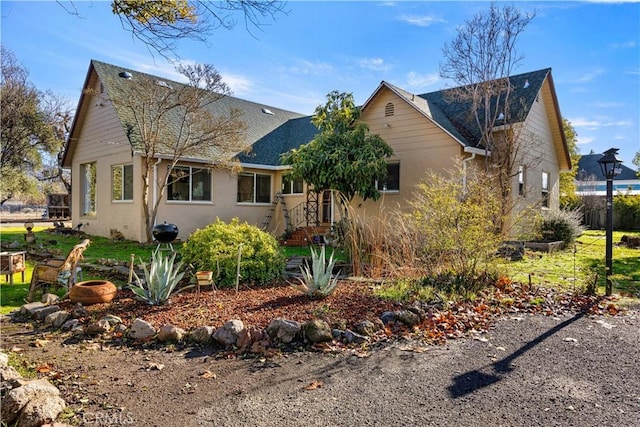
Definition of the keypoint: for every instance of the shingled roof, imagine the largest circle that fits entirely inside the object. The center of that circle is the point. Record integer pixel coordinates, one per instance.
(589, 168)
(265, 125)
(524, 90)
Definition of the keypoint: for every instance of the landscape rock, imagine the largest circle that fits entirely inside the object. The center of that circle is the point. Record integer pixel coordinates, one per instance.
(56, 319)
(171, 333)
(316, 331)
(42, 312)
(202, 334)
(283, 330)
(227, 335)
(70, 324)
(41, 410)
(351, 337)
(367, 327)
(79, 311)
(4, 359)
(28, 309)
(141, 330)
(250, 336)
(113, 320)
(98, 328)
(19, 397)
(48, 298)
(407, 317)
(388, 317)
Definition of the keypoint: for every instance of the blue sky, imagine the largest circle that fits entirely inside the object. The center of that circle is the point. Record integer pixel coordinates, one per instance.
(593, 49)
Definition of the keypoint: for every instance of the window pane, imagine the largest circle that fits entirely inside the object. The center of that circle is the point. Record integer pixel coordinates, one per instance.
(263, 188)
(88, 186)
(128, 182)
(286, 184)
(116, 182)
(392, 181)
(245, 188)
(179, 184)
(298, 186)
(201, 180)
(545, 181)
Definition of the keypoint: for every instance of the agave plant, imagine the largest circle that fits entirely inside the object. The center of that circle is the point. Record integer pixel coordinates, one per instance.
(318, 281)
(160, 279)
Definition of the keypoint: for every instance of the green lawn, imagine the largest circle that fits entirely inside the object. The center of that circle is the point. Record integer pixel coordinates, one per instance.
(573, 267)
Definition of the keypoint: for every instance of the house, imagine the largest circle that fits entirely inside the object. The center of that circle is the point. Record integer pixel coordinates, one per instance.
(426, 131)
(591, 182)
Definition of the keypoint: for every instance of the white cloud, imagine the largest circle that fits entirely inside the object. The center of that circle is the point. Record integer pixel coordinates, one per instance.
(306, 67)
(239, 84)
(420, 20)
(375, 64)
(584, 140)
(625, 45)
(608, 104)
(421, 81)
(593, 124)
(589, 76)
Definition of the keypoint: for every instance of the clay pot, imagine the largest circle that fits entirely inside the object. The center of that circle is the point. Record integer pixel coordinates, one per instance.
(92, 292)
(204, 277)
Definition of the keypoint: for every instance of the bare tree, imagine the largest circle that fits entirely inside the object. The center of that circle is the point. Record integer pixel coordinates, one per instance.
(169, 122)
(161, 23)
(480, 59)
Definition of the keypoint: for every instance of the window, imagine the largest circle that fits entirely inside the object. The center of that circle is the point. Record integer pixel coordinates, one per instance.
(545, 189)
(189, 184)
(122, 182)
(392, 182)
(389, 110)
(292, 186)
(88, 189)
(521, 180)
(254, 188)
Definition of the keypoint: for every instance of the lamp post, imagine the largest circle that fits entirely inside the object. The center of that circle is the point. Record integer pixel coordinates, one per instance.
(610, 166)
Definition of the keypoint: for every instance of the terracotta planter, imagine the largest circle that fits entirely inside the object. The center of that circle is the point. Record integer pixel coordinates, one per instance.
(92, 292)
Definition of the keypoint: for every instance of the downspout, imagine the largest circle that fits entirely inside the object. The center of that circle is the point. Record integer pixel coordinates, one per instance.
(464, 171)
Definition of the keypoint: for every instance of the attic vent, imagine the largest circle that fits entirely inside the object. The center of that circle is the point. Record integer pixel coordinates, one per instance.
(267, 111)
(389, 109)
(125, 75)
(526, 84)
(501, 116)
(101, 88)
(163, 84)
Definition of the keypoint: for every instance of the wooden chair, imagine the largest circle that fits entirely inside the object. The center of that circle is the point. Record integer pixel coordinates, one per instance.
(58, 272)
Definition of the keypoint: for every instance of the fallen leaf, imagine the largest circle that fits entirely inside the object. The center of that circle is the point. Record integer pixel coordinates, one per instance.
(43, 369)
(208, 374)
(40, 343)
(314, 385)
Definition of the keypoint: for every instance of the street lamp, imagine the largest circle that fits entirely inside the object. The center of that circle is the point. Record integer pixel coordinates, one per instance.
(610, 166)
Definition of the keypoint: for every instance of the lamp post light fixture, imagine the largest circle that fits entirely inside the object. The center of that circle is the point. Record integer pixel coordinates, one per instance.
(610, 166)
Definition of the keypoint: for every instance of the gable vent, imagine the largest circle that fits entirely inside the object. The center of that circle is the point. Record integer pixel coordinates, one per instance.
(389, 109)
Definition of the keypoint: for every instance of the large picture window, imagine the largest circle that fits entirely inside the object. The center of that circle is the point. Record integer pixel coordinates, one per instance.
(392, 182)
(292, 186)
(189, 184)
(122, 182)
(88, 189)
(254, 188)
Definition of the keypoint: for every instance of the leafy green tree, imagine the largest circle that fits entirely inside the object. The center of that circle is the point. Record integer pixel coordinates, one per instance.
(568, 197)
(27, 132)
(343, 156)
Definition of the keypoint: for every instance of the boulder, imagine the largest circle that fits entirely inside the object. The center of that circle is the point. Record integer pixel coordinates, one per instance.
(368, 328)
(19, 397)
(227, 335)
(49, 299)
(42, 312)
(41, 410)
(250, 336)
(4, 359)
(141, 330)
(388, 317)
(56, 319)
(202, 334)
(170, 333)
(98, 328)
(283, 330)
(407, 317)
(316, 331)
(28, 309)
(70, 324)
(351, 337)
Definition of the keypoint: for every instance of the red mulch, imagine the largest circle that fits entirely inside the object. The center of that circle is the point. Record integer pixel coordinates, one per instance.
(351, 303)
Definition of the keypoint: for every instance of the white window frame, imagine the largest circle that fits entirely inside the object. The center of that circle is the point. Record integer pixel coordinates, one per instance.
(522, 181)
(192, 170)
(123, 184)
(289, 186)
(544, 186)
(88, 189)
(254, 186)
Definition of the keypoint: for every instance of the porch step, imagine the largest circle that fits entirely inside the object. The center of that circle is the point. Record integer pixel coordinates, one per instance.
(305, 236)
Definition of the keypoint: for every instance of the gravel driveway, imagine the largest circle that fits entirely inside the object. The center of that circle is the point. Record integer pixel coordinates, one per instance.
(528, 370)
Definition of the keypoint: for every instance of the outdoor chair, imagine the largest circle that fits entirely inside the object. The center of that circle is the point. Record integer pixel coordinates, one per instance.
(58, 272)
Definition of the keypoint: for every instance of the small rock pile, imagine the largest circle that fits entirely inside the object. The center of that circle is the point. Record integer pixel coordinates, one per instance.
(232, 335)
(27, 403)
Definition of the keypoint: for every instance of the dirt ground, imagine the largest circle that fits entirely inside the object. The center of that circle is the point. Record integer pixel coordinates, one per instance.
(526, 370)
